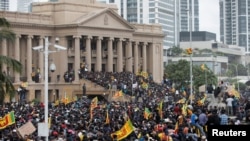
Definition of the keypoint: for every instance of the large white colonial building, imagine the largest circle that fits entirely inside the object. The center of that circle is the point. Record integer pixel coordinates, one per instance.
(94, 34)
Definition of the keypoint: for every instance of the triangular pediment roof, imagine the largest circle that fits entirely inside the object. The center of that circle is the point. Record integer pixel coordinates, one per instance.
(105, 18)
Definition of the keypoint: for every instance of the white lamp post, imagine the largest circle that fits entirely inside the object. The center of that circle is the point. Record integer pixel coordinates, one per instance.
(236, 69)
(191, 60)
(46, 52)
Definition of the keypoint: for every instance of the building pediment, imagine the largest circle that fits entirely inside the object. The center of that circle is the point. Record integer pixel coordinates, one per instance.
(106, 18)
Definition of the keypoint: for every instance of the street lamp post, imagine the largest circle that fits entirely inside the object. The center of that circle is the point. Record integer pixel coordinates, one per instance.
(46, 52)
(191, 54)
(191, 60)
(237, 78)
(236, 69)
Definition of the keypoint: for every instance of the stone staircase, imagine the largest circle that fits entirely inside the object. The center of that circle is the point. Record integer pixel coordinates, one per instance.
(91, 85)
(91, 88)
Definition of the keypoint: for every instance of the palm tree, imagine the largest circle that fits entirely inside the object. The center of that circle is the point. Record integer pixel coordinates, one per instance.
(6, 85)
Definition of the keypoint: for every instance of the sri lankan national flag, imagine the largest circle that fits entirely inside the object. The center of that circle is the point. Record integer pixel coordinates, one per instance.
(203, 67)
(7, 120)
(107, 118)
(65, 100)
(118, 94)
(183, 100)
(144, 74)
(93, 105)
(126, 130)
(160, 109)
(57, 102)
(184, 109)
(144, 85)
(202, 101)
(147, 113)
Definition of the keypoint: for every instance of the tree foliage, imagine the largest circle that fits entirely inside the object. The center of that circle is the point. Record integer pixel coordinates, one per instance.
(203, 77)
(242, 70)
(175, 51)
(179, 73)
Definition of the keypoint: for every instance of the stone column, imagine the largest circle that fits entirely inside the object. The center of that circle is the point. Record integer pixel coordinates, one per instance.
(77, 57)
(4, 53)
(17, 56)
(136, 59)
(144, 56)
(29, 58)
(110, 55)
(119, 56)
(99, 55)
(41, 60)
(63, 56)
(88, 52)
(129, 59)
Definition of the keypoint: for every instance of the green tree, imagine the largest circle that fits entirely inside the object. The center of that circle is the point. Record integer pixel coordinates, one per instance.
(242, 70)
(203, 76)
(175, 51)
(6, 85)
(179, 73)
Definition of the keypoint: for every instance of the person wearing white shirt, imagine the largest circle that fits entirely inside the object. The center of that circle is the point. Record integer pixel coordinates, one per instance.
(229, 101)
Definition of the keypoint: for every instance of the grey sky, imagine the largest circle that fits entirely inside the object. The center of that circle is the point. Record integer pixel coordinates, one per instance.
(209, 16)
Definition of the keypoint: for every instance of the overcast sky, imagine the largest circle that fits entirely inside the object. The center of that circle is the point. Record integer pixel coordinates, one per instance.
(209, 16)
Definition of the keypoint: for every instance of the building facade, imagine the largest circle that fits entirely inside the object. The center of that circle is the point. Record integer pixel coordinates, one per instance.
(205, 52)
(234, 22)
(173, 15)
(197, 36)
(189, 15)
(4, 5)
(152, 11)
(24, 5)
(94, 34)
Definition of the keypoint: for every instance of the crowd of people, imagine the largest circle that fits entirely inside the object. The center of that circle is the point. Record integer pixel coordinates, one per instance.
(167, 120)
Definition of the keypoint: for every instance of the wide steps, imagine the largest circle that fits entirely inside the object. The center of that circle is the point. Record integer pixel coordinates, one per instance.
(91, 88)
(91, 85)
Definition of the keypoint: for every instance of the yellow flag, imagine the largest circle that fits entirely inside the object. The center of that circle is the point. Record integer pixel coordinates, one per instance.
(56, 103)
(49, 122)
(65, 100)
(160, 109)
(118, 94)
(107, 118)
(126, 130)
(94, 103)
(183, 100)
(203, 67)
(184, 109)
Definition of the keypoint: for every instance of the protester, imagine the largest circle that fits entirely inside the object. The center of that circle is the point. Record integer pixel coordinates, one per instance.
(89, 118)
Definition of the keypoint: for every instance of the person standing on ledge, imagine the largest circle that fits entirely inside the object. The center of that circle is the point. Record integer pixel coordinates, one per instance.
(84, 90)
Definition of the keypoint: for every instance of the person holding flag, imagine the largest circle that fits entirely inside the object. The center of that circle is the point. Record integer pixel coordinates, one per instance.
(93, 105)
(160, 112)
(147, 114)
(125, 131)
